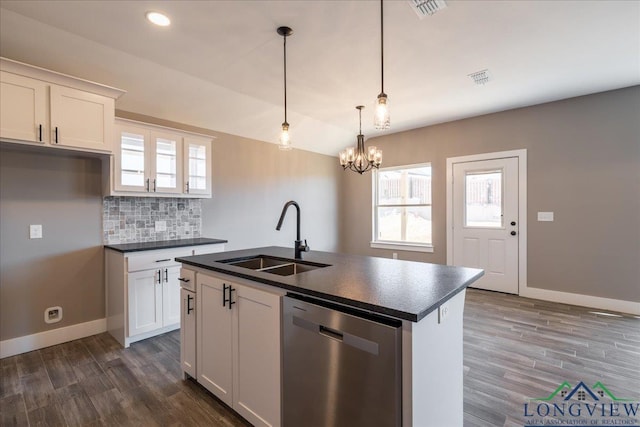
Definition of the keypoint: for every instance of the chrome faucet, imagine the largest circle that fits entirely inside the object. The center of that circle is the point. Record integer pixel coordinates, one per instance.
(299, 247)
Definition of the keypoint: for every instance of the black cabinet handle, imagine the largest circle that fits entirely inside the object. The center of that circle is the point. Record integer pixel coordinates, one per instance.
(159, 278)
(513, 223)
(187, 186)
(224, 295)
(147, 184)
(40, 133)
(56, 134)
(166, 275)
(513, 233)
(189, 308)
(154, 185)
(231, 302)
(182, 279)
(163, 260)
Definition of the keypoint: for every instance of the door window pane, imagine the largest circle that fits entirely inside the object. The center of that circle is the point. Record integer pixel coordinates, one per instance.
(166, 161)
(483, 199)
(132, 159)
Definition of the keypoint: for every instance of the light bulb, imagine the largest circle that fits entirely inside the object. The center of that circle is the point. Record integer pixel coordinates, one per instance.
(285, 139)
(381, 118)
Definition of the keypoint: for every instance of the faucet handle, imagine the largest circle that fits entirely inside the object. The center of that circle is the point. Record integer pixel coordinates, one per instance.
(305, 247)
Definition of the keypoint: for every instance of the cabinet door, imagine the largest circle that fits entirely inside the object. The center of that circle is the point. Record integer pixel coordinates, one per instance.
(188, 332)
(131, 159)
(256, 387)
(197, 166)
(145, 301)
(23, 108)
(214, 338)
(170, 296)
(81, 119)
(166, 173)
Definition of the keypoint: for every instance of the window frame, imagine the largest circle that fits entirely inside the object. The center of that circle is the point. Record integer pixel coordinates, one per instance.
(397, 245)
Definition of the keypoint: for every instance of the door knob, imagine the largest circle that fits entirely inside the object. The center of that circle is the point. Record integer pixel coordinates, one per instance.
(513, 223)
(513, 233)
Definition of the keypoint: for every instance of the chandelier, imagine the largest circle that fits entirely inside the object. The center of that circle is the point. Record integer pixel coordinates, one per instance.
(360, 159)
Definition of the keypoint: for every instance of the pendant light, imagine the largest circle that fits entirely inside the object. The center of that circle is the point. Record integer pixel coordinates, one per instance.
(360, 159)
(381, 118)
(285, 139)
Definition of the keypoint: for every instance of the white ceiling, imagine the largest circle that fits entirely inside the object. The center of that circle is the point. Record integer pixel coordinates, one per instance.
(219, 65)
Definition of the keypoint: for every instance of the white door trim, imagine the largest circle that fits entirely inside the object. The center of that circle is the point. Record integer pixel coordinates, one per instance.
(522, 205)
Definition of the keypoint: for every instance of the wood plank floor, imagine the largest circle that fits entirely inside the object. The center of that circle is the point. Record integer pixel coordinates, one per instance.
(514, 349)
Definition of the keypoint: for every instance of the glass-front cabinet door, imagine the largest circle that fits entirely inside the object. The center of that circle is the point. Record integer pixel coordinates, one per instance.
(131, 160)
(197, 165)
(166, 176)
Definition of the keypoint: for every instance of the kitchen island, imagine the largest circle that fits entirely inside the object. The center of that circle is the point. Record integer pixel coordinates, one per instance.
(426, 301)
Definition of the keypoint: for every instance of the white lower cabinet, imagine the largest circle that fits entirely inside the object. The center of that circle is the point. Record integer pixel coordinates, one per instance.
(143, 291)
(154, 299)
(238, 347)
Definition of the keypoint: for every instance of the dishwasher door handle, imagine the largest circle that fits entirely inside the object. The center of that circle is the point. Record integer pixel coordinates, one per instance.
(331, 333)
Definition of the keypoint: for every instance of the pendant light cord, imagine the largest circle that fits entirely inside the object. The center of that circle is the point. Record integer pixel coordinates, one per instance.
(285, 79)
(381, 47)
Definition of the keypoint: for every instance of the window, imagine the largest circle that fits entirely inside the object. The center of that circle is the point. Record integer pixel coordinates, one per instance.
(402, 208)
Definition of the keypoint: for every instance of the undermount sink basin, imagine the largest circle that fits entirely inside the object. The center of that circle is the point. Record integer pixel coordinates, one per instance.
(274, 265)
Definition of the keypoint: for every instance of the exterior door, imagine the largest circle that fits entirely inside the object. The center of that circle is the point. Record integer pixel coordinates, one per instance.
(485, 221)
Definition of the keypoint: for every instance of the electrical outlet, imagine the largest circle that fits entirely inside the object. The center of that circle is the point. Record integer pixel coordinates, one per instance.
(35, 231)
(53, 314)
(443, 312)
(161, 225)
(394, 255)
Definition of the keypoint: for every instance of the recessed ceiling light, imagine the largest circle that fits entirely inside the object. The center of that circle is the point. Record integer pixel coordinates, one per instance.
(158, 18)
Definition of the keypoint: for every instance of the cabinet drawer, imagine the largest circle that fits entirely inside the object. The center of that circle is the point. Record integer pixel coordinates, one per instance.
(188, 279)
(156, 259)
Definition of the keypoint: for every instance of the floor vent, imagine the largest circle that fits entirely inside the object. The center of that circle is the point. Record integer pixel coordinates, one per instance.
(427, 7)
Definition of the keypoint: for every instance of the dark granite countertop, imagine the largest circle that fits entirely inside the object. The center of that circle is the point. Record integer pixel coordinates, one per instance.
(163, 244)
(401, 289)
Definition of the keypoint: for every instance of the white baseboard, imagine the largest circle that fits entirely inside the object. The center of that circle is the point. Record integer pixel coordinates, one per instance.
(40, 340)
(600, 303)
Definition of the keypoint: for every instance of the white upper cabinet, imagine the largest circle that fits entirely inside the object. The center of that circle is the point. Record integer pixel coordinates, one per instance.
(197, 165)
(23, 108)
(166, 167)
(81, 120)
(153, 160)
(42, 107)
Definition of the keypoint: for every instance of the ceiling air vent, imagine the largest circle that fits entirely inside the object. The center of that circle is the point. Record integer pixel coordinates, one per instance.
(427, 7)
(480, 77)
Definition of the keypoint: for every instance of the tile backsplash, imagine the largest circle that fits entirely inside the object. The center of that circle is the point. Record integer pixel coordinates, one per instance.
(133, 219)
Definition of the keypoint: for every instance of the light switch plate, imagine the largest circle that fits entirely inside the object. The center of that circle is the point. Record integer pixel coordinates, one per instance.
(35, 231)
(545, 216)
(161, 225)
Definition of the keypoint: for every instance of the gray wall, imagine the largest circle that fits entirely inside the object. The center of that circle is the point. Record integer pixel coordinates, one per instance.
(583, 164)
(66, 267)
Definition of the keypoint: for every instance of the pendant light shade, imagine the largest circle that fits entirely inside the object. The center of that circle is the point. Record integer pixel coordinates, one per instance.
(360, 159)
(381, 119)
(285, 138)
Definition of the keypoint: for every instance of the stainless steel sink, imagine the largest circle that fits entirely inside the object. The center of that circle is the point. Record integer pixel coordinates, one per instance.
(274, 265)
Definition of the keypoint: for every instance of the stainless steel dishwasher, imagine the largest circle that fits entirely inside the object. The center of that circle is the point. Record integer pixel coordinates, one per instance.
(341, 367)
